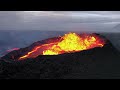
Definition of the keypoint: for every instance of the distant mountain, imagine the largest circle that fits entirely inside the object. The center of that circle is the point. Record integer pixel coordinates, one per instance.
(117, 27)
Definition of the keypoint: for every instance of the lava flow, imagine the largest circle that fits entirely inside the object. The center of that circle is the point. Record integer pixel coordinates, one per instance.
(10, 50)
(68, 43)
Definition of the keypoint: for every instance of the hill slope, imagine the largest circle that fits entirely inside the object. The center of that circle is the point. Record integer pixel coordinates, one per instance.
(100, 63)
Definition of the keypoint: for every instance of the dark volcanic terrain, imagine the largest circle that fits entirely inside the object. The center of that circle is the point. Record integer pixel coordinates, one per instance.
(96, 63)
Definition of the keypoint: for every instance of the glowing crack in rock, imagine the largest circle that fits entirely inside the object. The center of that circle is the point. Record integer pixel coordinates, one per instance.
(68, 43)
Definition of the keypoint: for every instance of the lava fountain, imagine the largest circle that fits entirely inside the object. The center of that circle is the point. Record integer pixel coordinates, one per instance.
(70, 42)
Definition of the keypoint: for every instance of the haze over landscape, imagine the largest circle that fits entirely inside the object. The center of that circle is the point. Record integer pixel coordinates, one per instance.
(59, 44)
(19, 29)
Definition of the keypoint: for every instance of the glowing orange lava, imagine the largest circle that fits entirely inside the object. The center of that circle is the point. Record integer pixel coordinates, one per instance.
(12, 49)
(70, 42)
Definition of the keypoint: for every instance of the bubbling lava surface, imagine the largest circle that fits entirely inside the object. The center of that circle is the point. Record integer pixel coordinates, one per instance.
(70, 42)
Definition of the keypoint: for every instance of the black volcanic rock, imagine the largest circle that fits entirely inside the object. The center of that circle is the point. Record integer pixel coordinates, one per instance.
(100, 63)
(14, 55)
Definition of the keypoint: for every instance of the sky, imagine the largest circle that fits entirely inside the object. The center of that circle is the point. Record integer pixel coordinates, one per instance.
(60, 20)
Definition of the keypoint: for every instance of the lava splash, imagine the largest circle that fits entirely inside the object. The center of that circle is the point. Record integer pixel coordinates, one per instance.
(70, 42)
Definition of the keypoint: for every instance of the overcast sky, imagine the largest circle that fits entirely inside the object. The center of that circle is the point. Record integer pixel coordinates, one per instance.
(59, 20)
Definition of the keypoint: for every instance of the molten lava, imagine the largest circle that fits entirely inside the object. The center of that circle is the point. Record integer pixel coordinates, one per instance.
(10, 50)
(68, 43)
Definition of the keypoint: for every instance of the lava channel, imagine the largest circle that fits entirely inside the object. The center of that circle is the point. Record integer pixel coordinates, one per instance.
(70, 42)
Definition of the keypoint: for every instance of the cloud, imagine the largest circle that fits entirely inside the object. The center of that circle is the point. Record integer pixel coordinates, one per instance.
(57, 20)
